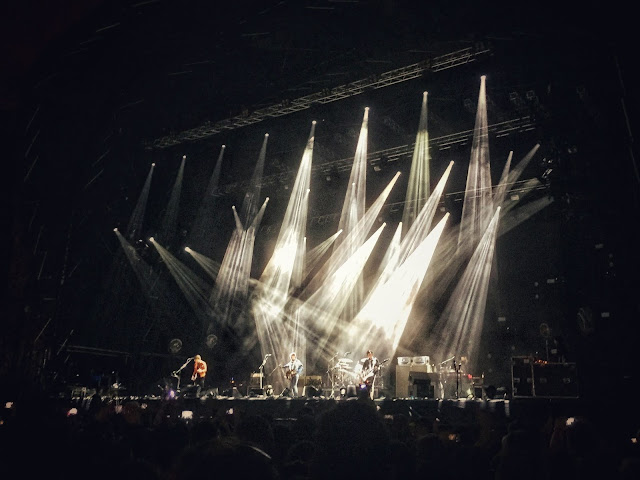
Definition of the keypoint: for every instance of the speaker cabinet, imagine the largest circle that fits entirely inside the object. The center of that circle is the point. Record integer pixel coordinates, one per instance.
(420, 384)
(256, 380)
(404, 386)
(522, 376)
(558, 380)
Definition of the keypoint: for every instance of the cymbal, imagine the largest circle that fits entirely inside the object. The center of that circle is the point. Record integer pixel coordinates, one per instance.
(345, 360)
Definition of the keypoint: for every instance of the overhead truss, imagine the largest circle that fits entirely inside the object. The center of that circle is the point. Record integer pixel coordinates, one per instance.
(501, 129)
(327, 95)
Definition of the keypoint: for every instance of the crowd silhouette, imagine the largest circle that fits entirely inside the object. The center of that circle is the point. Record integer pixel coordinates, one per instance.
(327, 439)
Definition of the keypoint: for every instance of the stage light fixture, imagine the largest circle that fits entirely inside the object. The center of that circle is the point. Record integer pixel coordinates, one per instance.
(211, 340)
(175, 345)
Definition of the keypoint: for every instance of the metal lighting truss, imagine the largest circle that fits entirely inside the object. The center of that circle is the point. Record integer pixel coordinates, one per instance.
(327, 95)
(519, 187)
(501, 129)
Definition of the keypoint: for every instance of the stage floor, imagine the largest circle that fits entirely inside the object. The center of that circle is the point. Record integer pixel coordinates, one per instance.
(454, 412)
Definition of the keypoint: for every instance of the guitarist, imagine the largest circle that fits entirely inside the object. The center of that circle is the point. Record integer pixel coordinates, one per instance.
(199, 372)
(293, 369)
(370, 369)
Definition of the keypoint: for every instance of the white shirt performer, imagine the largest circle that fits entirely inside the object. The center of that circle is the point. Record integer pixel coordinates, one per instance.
(292, 372)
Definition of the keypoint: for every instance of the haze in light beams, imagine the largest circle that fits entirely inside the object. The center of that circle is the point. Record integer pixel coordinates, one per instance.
(380, 323)
(284, 268)
(314, 256)
(137, 217)
(170, 219)
(323, 308)
(194, 289)
(161, 299)
(478, 204)
(353, 210)
(418, 188)
(458, 331)
(359, 232)
(232, 282)
(417, 232)
(203, 229)
(211, 267)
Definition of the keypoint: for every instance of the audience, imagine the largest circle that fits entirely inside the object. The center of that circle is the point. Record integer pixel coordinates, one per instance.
(332, 439)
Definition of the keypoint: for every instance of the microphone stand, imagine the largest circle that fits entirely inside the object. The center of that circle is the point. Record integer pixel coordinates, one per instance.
(261, 370)
(457, 370)
(442, 375)
(331, 374)
(176, 374)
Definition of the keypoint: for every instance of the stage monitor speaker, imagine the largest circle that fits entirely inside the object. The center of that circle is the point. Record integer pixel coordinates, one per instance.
(352, 391)
(310, 391)
(232, 392)
(209, 392)
(286, 392)
(256, 392)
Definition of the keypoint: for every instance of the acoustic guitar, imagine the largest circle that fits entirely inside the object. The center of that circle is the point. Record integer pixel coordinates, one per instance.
(289, 372)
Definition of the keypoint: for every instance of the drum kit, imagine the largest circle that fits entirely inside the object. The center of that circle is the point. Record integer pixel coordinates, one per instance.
(344, 373)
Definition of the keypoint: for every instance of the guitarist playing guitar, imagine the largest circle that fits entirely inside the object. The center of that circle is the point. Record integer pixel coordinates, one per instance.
(293, 369)
(199, 373)
(370, 369)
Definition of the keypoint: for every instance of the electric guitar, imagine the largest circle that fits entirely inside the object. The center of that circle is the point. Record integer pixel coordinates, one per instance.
(366, 376)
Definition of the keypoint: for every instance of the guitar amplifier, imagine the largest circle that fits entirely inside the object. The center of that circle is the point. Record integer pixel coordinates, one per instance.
(420, 384)
(404, 386)
(313, 381)
(254, 381)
